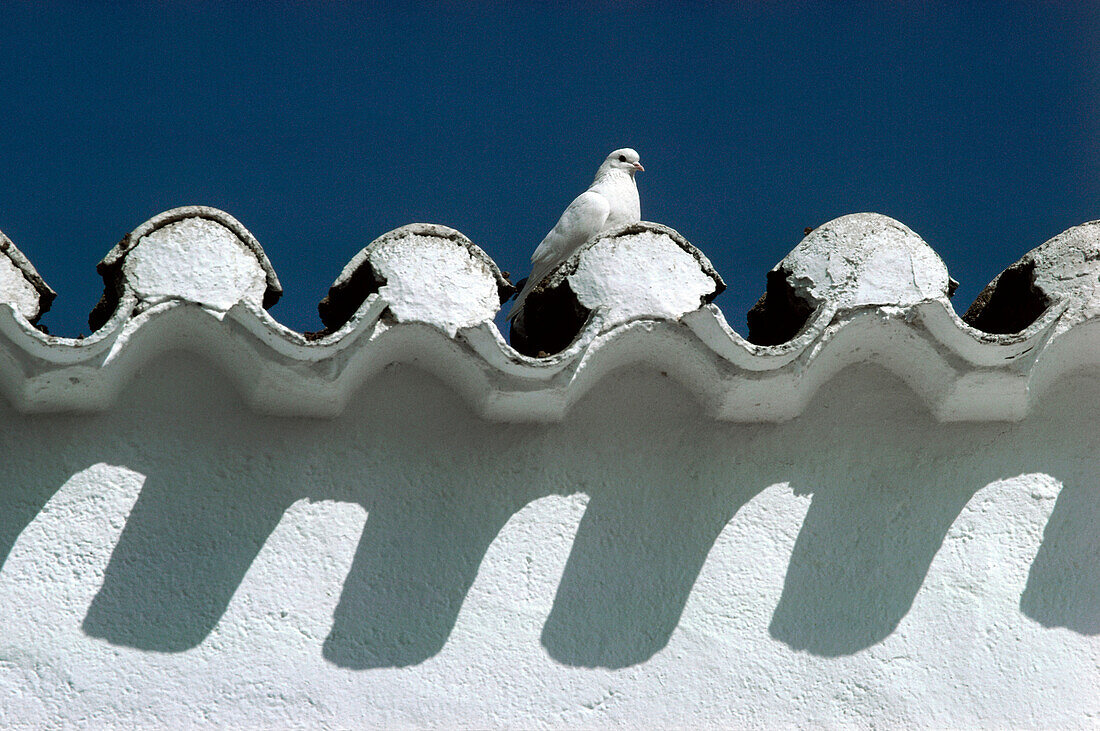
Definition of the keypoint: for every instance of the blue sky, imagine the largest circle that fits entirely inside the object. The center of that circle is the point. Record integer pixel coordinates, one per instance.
(321, 126)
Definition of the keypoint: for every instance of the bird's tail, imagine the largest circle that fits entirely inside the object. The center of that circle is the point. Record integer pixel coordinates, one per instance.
(538, 273)
(517, 304)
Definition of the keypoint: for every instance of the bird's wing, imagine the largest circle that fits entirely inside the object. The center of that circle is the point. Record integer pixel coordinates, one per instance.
(583, 219)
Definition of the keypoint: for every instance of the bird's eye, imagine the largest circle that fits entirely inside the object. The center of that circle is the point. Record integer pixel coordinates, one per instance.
(622, 158)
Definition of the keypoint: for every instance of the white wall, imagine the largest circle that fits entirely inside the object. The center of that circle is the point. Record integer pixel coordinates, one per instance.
(178, 559)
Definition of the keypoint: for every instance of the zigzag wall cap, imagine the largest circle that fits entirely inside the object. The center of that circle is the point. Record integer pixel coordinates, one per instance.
(426, 273)
(1064, 269)
(639, 296)
(858, 260)
(20, 284)
(193, 253)
(639, 270)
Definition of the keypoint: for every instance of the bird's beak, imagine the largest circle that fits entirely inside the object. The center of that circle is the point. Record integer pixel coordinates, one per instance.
(638, 166)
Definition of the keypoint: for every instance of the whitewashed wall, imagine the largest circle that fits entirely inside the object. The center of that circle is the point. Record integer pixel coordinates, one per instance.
(890, 521)
(180, 560)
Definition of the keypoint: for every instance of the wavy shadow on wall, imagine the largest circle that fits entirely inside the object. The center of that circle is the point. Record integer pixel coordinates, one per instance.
(893, 488)
(415, 565)
(206, 511)
(887, 482)
(1063, 585)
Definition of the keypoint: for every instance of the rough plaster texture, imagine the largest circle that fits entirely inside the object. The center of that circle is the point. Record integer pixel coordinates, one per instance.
(17, 291)
(195, 259)
(424, 273)
(1066, 268)
(21, 286)
(180, 560)
(888, 521)
(461, 293)
(643, 270)
(866, 259)
(960, 372)
(190, 254)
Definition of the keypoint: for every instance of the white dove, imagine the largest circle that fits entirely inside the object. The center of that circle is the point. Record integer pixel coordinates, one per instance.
(611, 200)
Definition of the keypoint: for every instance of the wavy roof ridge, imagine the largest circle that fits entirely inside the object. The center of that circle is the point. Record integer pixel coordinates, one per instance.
(861, 288)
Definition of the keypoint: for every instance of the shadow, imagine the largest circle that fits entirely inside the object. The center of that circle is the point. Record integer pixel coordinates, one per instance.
(436, 499)
(426, 535)
(184, 550)
(887, 482)
(638, 551)
(209, 502)
(661, 491)
(1063, 584)
(38, 457)
(219, 479)
(886, 489)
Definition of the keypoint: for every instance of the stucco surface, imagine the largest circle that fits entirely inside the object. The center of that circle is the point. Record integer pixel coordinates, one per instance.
(16, 290)
(432, 275)
(866, 259)
(196, 259)
(180, 560)
(21, 286)
(886, 520)
(1066, 269)
(641, 272)
(424, 294)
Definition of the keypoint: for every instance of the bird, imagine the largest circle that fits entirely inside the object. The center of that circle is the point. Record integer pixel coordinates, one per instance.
(610, 201)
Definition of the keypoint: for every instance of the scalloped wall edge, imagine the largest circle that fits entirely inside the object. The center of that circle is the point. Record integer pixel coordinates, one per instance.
(960, 374)
(845, 230)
